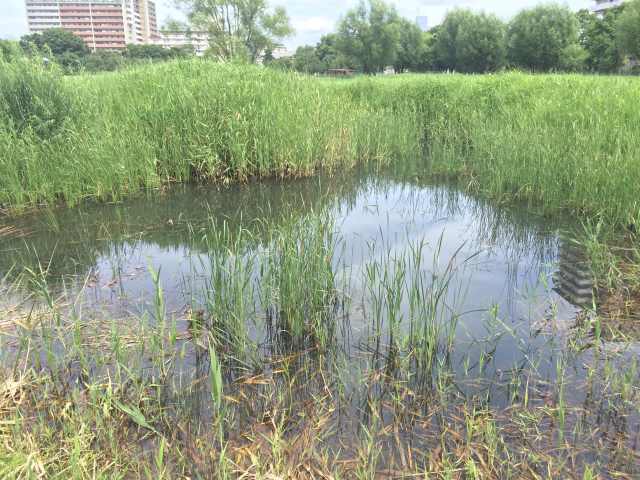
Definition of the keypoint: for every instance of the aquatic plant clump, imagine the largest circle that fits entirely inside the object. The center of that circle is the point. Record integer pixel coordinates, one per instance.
(560, 141)
(182, 122)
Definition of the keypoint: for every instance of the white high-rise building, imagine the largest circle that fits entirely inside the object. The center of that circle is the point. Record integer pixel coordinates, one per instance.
(102, 24)
(601, 6)
(197, 40)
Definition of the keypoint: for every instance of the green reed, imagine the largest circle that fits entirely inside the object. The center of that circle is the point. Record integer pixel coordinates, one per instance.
(561, 141)
(413, 310)
(228, 294)
(180, 122)
(299, 282)
(158, 396)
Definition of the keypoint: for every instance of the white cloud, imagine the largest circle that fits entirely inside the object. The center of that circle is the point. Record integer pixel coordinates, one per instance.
(319, 25)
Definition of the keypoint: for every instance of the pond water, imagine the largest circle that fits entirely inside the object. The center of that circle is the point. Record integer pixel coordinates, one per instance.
(512, 294)
(106, 251)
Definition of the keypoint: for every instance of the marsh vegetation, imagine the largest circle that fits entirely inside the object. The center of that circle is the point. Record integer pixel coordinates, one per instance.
(388, 311)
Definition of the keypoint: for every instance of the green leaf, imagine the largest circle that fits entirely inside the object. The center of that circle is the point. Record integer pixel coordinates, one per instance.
(136, 415)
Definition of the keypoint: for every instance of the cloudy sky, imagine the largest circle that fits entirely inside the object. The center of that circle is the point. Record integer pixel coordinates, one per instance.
(312, 18)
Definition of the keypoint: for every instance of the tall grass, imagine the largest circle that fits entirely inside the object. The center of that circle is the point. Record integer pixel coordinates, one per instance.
(563, 141)
(299, 284)
(33, 100)
(180, 122)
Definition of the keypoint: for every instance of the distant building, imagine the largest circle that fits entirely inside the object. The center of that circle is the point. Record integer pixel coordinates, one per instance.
(423, 23)
(601, 6)
(102, 24)
(281, 52)
(198, 40)
(277, 52)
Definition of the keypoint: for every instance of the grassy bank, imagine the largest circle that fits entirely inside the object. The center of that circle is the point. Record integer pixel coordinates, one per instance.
(189, 121)
(562, 141)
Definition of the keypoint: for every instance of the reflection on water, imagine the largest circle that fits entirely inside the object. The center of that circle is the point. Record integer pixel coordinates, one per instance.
(113, 245)
(108, 249)
(573, 279)
(439, 298)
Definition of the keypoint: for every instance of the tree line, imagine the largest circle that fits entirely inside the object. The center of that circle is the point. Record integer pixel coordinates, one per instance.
(238, 30)
(373, 36)
(545, 38)
(71, 53)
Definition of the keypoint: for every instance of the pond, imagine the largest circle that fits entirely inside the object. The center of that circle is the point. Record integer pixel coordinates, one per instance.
(108, 249)
(434, 293)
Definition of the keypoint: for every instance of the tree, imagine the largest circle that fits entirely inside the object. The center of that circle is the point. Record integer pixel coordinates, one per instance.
(573, 58)
(147, 52)
(628, 29)
(598, 38)
(103, 62)
(369, 35)
(58, 40)
(540, 38)
(68, 49)
(268, 57)
(328, 53)
(318, 59)
(306, 60)
(444, 45)
(70, 61)
(428, 56)
(410, 47)
(239, 29)
(470, 42)
(283, 63)
(157, 52)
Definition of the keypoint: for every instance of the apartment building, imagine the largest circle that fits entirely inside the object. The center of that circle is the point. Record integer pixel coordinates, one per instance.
(199, 41)
(601, 6)
(102, 24)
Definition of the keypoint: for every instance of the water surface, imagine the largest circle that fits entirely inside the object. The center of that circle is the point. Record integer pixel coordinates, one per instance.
(511, 329)
(108, 250)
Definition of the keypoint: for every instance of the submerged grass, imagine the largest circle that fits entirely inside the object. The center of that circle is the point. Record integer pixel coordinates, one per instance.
(267, 378)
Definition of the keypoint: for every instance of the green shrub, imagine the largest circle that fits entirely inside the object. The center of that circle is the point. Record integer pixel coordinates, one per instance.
(33, 98)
